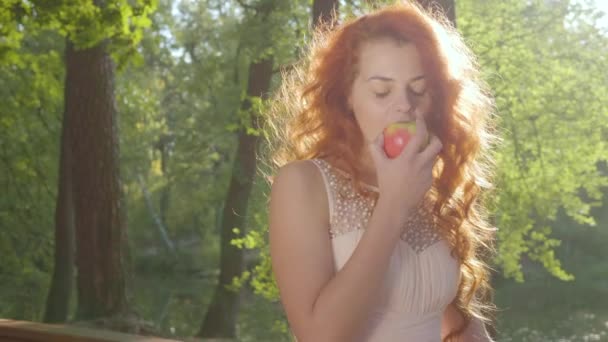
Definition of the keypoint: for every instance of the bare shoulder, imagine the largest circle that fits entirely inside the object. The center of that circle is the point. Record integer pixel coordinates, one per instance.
(300, 246)
(300, 171)
(300, 183)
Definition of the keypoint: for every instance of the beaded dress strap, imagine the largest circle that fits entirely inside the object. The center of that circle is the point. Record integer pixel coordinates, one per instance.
(349, 211)
(328, 179)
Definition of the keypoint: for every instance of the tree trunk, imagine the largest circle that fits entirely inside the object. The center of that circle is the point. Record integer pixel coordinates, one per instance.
(58, 300)
(322, 11)
(158, 220)
(100, 227)
(220, 320)
(165, 147)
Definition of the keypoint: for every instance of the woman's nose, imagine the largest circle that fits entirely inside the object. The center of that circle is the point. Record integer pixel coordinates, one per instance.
(402, 105)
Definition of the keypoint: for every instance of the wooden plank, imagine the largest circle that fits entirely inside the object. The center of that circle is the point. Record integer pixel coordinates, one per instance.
(23, 331)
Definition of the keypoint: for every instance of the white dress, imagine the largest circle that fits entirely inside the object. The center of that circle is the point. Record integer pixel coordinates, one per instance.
(422, 278)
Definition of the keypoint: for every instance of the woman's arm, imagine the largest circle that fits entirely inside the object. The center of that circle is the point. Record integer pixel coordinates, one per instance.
(475, 331)
(322, 305)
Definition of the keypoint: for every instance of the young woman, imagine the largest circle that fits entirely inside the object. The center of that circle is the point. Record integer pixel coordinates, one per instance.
(370, 248)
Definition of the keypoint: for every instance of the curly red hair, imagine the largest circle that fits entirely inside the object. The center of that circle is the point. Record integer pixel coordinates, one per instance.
(310, 118)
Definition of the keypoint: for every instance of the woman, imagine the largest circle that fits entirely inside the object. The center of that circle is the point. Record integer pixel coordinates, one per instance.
(370, 248)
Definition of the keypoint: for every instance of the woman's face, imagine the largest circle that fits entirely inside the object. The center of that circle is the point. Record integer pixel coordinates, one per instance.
(389, 86)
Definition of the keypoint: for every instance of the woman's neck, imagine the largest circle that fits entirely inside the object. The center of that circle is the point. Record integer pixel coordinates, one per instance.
(368, 169)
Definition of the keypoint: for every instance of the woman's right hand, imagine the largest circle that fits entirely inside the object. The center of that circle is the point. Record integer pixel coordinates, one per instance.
(404, 180)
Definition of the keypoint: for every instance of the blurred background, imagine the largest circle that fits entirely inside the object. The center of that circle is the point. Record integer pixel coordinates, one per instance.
(132, 199)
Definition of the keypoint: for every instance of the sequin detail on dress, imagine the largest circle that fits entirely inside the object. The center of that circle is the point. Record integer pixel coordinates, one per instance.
(350, 211)
(420, 230)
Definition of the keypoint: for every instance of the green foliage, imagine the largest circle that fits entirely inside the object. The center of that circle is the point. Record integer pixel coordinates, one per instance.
(180, 106)
(174, 128)
(31, 97)
(23, 292)
(31, 78)
(86, 23)
(261, 278)
(543, 64)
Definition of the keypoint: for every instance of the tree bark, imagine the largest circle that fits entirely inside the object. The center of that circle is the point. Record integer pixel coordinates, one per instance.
(322, 11)
(220, 320)
(60, 292)
(99, 214)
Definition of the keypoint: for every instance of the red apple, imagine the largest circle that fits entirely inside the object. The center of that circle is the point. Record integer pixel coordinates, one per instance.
(397, 135)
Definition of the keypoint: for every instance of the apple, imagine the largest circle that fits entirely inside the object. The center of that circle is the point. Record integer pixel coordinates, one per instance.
(397, 135)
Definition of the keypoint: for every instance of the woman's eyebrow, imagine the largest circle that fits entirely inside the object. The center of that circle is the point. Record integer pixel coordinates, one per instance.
(388, 79)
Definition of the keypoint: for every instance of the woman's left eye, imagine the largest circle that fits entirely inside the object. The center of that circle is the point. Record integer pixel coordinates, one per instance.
(382, 95)
(415, 92)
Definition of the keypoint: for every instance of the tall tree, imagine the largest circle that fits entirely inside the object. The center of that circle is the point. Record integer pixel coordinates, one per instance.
(89, 186)
(58, 299)
(553, 119)
(322, 11)
(100, 227)
(220, 319)
(93, 166)
(30, 127)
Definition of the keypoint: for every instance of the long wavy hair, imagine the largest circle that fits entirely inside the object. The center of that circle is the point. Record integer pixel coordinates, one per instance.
(309, 118)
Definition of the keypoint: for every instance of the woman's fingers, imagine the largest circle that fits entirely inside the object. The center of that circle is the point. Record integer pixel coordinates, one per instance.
(429, 154)
(418, 141)
(376, 147)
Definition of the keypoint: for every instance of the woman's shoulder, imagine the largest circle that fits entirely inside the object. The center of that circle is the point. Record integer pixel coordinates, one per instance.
(299, 173)
(298, 189)
(300, 178)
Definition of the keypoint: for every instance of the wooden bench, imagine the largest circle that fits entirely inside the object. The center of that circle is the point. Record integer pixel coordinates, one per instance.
(23, 331)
